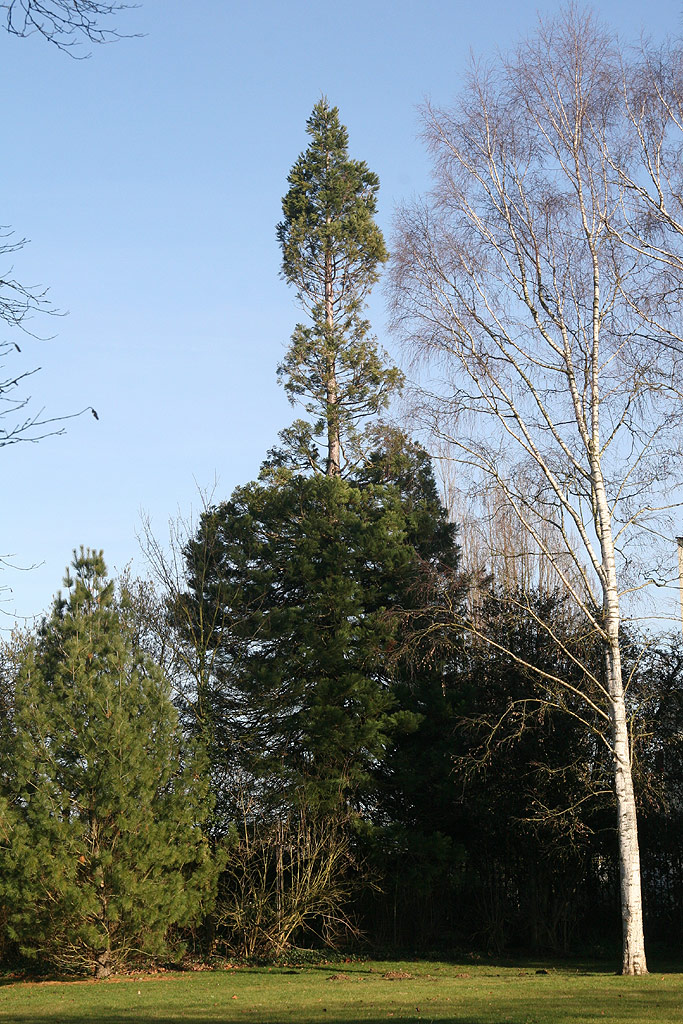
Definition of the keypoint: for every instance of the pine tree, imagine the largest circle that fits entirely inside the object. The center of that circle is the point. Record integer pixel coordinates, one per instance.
(331, 251)
(103, 851)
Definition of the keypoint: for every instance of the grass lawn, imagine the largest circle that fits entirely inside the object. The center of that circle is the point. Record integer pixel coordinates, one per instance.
(372, 991)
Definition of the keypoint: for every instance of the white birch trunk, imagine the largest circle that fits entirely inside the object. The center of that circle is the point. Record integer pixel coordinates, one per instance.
(633, 939)
(679, 541)
(633, 961)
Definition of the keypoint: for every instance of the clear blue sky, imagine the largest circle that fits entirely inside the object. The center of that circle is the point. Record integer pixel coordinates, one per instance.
(148, 180)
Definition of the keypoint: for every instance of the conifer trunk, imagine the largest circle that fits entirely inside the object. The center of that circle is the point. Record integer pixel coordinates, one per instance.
(103, 965)
(333, 444)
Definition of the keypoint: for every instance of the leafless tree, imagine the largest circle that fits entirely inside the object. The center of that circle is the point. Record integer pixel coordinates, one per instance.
(494, 549)
(184, 640)
(651, 174)
(63, 22)
(522, 281)
(17, 305)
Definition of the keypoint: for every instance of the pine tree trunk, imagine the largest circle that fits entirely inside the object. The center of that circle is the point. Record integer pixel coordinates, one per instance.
(103, 965)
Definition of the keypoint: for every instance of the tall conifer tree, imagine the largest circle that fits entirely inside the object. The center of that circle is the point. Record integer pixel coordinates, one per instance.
(331, 253)
(101, 849)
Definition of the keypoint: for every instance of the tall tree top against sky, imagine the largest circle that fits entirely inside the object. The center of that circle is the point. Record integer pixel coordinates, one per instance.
(149, 180)
(332, 253)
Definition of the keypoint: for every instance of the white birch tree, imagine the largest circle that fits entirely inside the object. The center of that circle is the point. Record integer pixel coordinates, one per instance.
(521, 282)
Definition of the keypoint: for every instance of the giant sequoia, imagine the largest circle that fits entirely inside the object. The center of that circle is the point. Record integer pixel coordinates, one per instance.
(306, 574)
(331, 253)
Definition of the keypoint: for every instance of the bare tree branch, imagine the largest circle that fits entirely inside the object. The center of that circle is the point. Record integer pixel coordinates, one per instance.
(539, 277)
(63, 23)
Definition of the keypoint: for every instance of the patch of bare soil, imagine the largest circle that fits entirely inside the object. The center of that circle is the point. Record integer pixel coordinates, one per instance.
(397, 976)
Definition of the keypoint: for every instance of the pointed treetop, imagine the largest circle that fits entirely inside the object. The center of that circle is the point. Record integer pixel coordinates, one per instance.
(332, 250)
(329, 210)
(86, 580)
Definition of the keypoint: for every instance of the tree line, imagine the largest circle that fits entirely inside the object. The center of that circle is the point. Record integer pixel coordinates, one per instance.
(333, 718)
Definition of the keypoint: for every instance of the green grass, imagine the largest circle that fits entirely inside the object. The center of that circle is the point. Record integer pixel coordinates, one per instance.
(355, 992)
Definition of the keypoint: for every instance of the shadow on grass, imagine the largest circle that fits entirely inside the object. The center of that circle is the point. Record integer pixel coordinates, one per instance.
(657, 964)
(433, 968)
(215, 1018)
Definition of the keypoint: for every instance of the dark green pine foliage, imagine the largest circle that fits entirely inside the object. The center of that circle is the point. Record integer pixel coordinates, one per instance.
(331, 253)
(102, 851)
(306, 573)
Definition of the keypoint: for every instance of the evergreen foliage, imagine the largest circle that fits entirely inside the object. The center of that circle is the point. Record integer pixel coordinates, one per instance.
(398, 462)
(103, 850)
(331, 251)
(307, 572)
(310, 579)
